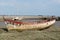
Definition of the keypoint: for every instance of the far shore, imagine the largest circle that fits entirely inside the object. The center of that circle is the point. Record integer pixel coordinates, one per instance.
(2, 19)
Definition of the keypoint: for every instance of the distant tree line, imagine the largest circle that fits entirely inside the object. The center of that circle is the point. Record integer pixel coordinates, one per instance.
(57, 18)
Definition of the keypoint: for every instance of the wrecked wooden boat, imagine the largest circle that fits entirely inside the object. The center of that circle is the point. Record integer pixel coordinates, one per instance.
(28, 24)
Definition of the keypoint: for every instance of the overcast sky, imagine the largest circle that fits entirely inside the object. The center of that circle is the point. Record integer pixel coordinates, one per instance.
(30, 7)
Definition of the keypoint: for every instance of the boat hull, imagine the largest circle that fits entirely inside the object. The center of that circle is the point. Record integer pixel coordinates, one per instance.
(30, 26)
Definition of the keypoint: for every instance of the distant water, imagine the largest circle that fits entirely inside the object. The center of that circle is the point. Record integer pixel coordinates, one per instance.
(57, 24)
(2, 24)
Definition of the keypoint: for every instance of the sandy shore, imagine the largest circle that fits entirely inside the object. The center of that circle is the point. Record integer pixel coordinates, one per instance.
(52, 33)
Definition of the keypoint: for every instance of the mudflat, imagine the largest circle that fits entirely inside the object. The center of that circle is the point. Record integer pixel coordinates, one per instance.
(52, 33)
